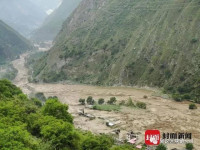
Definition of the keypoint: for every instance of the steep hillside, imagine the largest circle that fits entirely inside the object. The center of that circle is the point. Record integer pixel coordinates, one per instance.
(154, 43)
(11, 43)
(54, 21)
(22, 15)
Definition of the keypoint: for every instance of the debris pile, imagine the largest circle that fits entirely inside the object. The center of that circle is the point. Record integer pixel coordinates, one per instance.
(81, 112)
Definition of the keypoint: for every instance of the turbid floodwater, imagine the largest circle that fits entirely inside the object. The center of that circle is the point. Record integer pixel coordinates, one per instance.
(162, 114)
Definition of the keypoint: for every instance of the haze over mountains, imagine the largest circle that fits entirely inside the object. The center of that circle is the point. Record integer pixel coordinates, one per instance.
(154, 43)
(46, 5)
(53, 23)
(11, 43)
(22, 15)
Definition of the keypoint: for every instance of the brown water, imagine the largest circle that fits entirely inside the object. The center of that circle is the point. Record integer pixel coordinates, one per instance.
(164, 115)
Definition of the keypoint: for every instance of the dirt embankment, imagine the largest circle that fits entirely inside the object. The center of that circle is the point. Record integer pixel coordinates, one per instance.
(164, 115)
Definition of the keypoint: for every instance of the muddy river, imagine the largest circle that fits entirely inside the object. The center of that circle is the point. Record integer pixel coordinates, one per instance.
(162, 114)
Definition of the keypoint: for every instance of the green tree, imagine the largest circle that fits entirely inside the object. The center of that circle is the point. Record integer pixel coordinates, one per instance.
(40, 96)
(16, 138)
(90, 144)
(101, 101)
(54, 108)
(189, 146)
(105, 141)
(90, 100)
(192, 106)
(8, 90)
(28, 125)
(34, 123)
(112, 100)
(82, 101)
(37, 102)
(60, 133)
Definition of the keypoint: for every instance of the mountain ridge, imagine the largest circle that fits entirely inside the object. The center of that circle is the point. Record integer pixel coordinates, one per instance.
(11, 43)
(128, 42)
(53, 23)
(22, 15)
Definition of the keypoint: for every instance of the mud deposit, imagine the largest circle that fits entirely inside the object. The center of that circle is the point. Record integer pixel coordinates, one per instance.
(162, 114)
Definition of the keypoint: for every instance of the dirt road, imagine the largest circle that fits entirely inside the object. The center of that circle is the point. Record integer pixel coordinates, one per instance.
(162, 114)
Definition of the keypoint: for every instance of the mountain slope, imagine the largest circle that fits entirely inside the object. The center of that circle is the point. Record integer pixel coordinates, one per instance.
(154, 43)
(53, 22)
(22, 15)
(11, 43)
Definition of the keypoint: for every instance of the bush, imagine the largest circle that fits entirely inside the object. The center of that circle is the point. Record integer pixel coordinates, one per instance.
(130, 103)
(145, 97)
(161, 147)
(82, 101)
(177, 97)
(189, 146)
(101, 101)
(141, 105)
(112, 101)
(90, 100)
(194, 40)
(192, 106)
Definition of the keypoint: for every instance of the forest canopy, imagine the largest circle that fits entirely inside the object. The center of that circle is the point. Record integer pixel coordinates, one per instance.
(26, 124)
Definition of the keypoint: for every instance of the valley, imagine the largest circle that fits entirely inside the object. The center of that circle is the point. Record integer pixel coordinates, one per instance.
(162, 114)
(96, 74)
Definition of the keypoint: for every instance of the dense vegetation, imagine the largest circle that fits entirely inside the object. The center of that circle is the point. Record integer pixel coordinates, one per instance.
(11, 43)
(53, 23)
(107, 42)
(26, 124)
